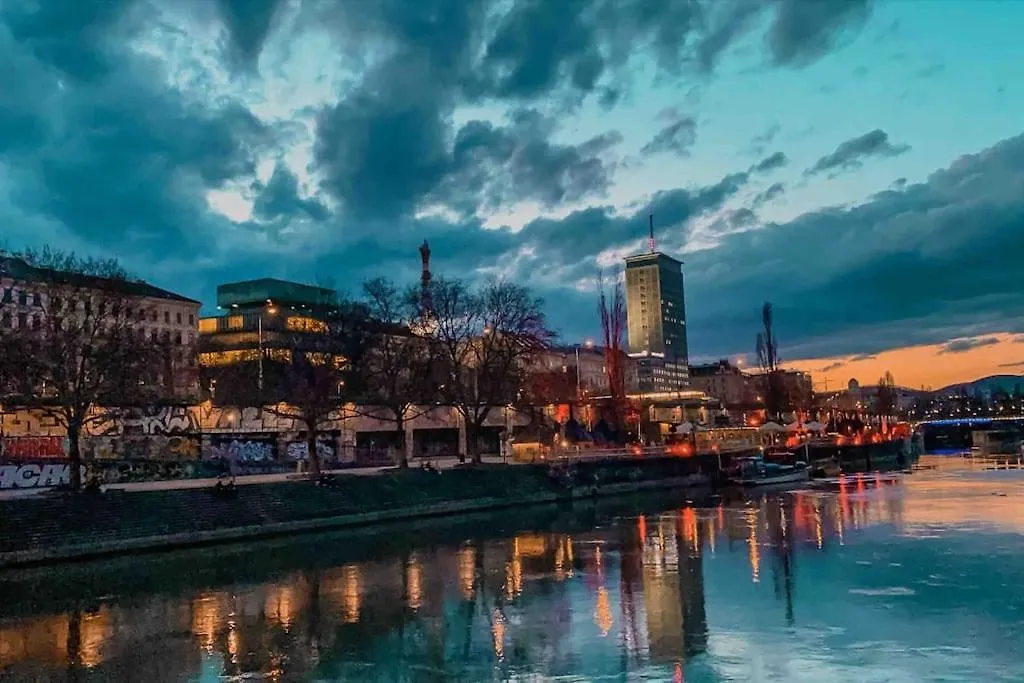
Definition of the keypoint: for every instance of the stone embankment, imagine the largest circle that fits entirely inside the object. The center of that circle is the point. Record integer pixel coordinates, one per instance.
(62, 527)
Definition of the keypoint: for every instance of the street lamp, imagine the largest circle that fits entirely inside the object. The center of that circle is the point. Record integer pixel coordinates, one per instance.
(259, 326)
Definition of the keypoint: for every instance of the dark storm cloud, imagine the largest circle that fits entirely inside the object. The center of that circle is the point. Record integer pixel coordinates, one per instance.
(804, 30)
(494, 166)
(899, 269)
(677, 137)
(851, 154)
(770, 163)
(248, 23)
(833, 366)
(280, 198)
(773, 191)
(964, 345)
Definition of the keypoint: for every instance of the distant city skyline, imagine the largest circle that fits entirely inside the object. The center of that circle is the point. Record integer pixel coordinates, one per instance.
(856, 163)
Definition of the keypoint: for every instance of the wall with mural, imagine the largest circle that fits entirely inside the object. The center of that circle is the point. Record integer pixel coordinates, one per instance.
(196, 441)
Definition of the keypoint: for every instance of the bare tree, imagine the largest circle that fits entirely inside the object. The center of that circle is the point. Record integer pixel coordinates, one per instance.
(399, 376)
(487, 339)
(77, 353)
(886, 400)
(613, 321)
(768, 359)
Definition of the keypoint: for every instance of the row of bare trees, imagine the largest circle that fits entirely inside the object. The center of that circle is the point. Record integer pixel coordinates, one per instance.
(75, 343)
(382, 353)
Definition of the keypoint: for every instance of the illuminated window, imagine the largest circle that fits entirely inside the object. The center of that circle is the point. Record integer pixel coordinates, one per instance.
(207, 325)
(236, 322)
(300, 324)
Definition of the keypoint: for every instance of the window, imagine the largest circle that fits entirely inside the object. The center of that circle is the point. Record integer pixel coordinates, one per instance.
(37, 299)
(167, 317)
(8, 296)
(166, 337)
(177, 317)
(37, 322)
(152, 335)
(5, 319)
(22, 321)
(152, 315)
(191, 319)
(177, 338)
(23, 298)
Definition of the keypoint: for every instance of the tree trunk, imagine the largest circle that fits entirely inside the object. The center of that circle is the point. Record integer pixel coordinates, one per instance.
(74, 456)
(473, 443)
(314, 455)
(403, 445)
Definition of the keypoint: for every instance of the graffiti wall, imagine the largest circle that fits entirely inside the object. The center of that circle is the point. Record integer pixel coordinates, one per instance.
(32, 447)
(172, 448)
(299, 450)
(243, 449)
(34, 475)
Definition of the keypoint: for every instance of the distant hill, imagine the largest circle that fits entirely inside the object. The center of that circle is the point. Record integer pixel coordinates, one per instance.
(986, 385)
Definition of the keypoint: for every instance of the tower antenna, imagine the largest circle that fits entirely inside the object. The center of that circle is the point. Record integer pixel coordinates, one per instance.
(650, 239)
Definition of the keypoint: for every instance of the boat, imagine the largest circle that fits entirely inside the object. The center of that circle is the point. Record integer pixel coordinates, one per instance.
(754, 471)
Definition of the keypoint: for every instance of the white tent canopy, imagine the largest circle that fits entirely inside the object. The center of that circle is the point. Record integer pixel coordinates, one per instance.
(794, 427)
(685, 428)
(772, 427)
(815, 427)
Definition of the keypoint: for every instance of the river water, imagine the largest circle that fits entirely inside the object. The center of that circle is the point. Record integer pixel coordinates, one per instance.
(919, 578)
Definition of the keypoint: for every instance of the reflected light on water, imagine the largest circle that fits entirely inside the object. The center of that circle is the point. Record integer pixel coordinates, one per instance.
(914, 592)
(603, 612)
(466, 560)
(754, 549)
(352, 595)
(414, 583)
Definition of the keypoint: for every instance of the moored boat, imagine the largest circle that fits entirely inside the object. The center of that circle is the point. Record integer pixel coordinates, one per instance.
(754, 471)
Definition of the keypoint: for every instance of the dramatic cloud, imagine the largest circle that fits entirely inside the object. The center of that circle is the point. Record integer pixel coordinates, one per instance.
(171, 146)
(851, 154)
(770, 163)
(963, 345)
(773, 191)
(498, 166)
(805, 29)
(898, 269)
(676, 138)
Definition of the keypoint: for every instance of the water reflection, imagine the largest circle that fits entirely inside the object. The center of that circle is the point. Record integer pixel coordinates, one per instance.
(813, 585)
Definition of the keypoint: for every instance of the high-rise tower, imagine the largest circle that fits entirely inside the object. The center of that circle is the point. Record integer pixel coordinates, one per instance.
(656, 320)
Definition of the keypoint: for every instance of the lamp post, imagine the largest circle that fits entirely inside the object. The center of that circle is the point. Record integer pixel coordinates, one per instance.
(259, 327)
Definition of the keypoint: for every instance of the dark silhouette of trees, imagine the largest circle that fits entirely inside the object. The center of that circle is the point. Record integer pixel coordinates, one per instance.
(768, 359)
(400, 377)
(487, 339)
(77, 354)
(613, 322)
(886, 398)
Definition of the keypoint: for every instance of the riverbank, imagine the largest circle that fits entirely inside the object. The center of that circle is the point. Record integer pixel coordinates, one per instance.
(58, 528)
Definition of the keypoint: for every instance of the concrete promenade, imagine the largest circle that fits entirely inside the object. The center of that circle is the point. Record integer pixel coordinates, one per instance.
(245, 480)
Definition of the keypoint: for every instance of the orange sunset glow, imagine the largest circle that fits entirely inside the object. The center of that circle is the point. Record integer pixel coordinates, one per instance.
(930, 366)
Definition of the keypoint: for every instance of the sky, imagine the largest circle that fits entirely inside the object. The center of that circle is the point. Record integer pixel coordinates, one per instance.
(859, 164)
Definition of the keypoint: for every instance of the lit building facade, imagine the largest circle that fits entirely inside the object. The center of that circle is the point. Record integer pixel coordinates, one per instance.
(656, 322)
(592, 370)
(268, 315)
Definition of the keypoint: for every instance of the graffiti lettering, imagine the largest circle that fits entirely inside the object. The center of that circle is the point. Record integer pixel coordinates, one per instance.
(299, 450)
(243, 450)
(165, 421)
(32, 447)
(34, 476)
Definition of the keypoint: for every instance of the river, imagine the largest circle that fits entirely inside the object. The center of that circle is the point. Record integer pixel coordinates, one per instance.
(919, 578)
